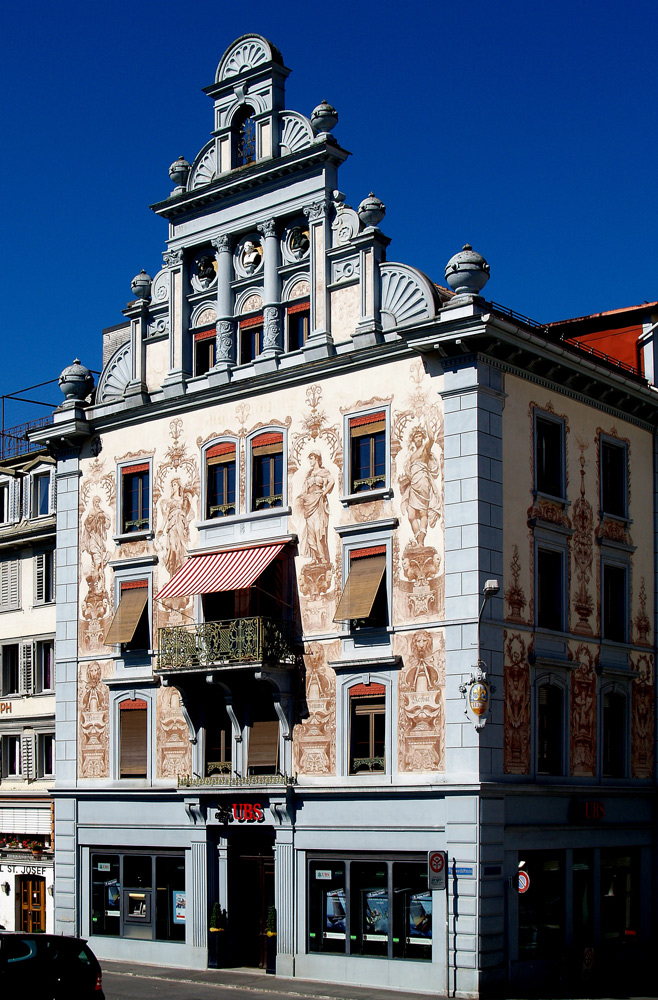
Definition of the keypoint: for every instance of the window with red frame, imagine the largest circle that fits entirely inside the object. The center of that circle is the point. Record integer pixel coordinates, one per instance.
(204, 350)
(298, 316)
(251, 338)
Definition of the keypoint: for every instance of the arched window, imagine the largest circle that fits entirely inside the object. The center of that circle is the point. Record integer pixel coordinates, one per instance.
(244, 137)
(614, 735)
(550, 733)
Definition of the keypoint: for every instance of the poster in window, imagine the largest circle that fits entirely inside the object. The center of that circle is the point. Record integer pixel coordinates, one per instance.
(420, 918)
(375, 915)
(113, 896)
(336, 908)
(178, 906)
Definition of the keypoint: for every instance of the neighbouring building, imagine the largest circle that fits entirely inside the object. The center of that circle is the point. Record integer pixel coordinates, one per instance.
(319, 521)
(27, 681)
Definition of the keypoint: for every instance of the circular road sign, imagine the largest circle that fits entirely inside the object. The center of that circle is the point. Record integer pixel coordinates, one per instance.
(437, 862)
(524, 881)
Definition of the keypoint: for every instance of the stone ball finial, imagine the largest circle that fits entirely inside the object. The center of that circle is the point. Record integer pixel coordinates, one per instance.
(371, 210)
(467, 272)
(323, 118)
(179, 171)
(141, 286)
(76, 381)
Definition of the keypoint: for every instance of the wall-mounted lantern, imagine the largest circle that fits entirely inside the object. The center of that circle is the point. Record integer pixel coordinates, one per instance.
(477, 690)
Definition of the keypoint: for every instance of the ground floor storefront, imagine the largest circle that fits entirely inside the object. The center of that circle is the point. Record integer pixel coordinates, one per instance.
(328, 884)
(26, 864)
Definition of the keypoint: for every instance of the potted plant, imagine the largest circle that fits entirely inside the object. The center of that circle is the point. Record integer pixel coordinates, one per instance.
(270, 933)
(37, 848)
(217, 919)
(217, 942)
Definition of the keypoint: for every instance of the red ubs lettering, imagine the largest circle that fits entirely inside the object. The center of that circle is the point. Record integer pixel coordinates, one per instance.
(245, 812)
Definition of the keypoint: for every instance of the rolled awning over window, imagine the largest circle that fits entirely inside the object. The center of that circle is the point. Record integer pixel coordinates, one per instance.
(129, 611)
(367, 568)
(219, 571)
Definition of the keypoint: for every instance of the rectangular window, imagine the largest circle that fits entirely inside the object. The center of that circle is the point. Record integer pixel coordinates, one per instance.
(9, 585)
(364, 601)
(614, 614)
(45, 755)
(10, 669)
(251, 339)
(220, 480)
(263, 750)
(613, 743)
(44, 577)
(135, 498)
(542, 910)
(41, 494)
(267, 471)
(367, 452)
(614, 490)
(133, 728)
(367, 728)
(11, 757)
(44, 666)
(298, 320)
(550, 729)
(219, 739)
(549, 456)
(379, 908)
(204, 351)
(130, 625)
(550, 589)
(4, 503)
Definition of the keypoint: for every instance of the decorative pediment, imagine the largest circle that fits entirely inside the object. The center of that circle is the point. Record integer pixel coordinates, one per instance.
(116, 375)
(407, 296)
(204, 167)
(247, 53)
(296, 132)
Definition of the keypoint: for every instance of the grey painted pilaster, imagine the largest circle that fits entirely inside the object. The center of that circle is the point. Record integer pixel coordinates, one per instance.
(66, 868)
(197, 894)
(320, 342)
(225, 343)
(473, 402)
(173, 383)
(372, 252)
(284, 901)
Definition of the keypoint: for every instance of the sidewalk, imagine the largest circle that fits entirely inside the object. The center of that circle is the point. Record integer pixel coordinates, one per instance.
(257, 981)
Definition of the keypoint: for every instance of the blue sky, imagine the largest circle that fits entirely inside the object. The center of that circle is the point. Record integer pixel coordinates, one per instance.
(527, 129)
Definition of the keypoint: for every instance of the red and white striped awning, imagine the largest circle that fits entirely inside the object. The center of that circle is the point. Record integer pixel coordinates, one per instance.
(218, 571)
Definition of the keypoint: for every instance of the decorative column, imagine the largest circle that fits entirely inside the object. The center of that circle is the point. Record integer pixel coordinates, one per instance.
(272, 333)
(225, 343)
(372, 244)
(284, 901)
(137, 312)
(173, 384)
(197, 893)
(319, 343)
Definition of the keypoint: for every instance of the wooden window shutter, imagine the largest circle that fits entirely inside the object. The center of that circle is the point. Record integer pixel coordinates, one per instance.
(27, 755)
(361, 588)
(264, 744)
(9, 597)
(27, 496)
(129, 611)
(15, 500)
(40, 578)
(27, 667)
(132, 739)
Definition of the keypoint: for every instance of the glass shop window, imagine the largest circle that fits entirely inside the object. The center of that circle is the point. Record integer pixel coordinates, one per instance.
(583, 898)
(170, 898)
(412, 912)
(327, 907)
(105, 894)
(541, 908)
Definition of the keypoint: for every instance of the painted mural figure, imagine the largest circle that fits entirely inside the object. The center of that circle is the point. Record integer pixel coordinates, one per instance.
(420, 498)
(94, 534)
(314, 505)
(177, 512)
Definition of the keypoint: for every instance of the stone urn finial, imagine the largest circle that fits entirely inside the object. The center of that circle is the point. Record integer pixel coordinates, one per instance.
(467, 272)
(141, 286)
(179, 171)
(323, 118)
(371, 210)
(76, 381)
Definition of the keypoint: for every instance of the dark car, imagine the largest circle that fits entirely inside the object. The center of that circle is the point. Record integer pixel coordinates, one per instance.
(48, 967)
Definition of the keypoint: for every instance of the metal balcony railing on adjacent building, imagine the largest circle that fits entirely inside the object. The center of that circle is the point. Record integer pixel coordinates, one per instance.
(225, 643)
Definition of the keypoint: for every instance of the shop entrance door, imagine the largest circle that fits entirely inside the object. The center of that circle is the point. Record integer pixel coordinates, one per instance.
(32, 896)
(251, 894)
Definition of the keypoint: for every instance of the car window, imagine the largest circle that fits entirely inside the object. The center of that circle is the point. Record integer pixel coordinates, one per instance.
(18, 949)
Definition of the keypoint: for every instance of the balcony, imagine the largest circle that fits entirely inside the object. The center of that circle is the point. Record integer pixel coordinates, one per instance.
(234, 642)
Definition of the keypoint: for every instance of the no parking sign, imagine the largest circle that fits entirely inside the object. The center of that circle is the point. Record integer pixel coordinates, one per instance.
(524, 881)
(437, 862)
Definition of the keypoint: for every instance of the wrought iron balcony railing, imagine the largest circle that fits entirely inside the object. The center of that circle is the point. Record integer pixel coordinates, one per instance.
(236, 640)
(235, 780)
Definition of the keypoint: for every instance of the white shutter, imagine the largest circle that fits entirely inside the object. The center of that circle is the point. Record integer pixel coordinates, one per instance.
(4, 583)
(14, 500)
(9, 596)
(25, 820)
(27, 496)
(28, 755)
(14, 597)
(40, 578)
(52, 493)
(27, 668)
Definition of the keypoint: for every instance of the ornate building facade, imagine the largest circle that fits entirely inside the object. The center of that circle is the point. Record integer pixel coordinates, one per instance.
(301, 468)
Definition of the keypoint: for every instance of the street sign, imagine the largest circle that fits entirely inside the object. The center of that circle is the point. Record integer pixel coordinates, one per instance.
(437, 863)
(524, 881)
